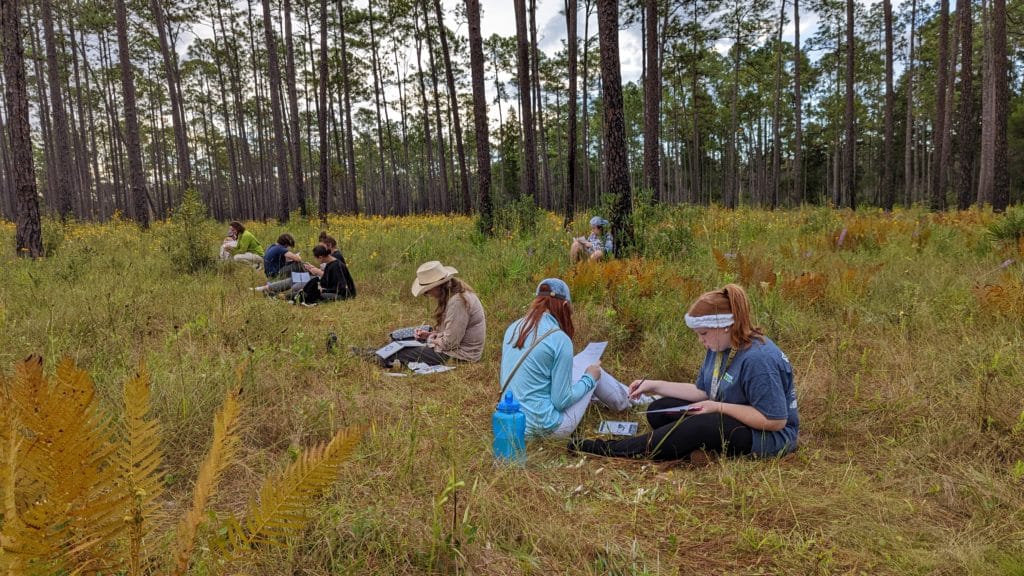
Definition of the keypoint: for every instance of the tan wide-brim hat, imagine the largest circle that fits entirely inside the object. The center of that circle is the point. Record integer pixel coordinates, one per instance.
(431, 274)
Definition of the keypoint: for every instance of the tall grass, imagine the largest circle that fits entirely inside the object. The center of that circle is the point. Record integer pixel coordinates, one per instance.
(904, 330)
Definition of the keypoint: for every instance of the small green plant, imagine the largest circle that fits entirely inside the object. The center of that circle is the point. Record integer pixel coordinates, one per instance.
(186, 246)
(1010, 228)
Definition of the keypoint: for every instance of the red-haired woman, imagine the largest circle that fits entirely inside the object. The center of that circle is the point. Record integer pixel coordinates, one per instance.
(536, 366)
(743, 401)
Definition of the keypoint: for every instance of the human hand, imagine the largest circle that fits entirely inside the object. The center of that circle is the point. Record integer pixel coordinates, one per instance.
(706, 406)
(421, 335)
(640, 387)
(595, 371)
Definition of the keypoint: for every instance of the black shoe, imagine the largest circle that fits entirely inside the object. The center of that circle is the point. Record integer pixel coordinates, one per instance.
(589, 445)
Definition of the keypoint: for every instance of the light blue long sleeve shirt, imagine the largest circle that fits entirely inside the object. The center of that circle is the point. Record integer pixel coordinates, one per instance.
(543, 384)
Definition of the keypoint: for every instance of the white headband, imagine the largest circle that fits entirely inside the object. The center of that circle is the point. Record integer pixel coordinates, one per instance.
(709, 321)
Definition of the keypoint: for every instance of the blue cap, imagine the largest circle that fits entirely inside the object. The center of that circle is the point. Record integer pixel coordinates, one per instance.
(557, 289)
(598, 221)
(508, 404)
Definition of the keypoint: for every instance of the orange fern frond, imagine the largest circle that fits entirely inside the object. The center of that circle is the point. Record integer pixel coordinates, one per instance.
(282, 504)
(138, 460)
(222, 449)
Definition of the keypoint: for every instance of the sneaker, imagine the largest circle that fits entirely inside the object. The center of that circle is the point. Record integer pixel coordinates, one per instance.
(308, 305)
(589, 445)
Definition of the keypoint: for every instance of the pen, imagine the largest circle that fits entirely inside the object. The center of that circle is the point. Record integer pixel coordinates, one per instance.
(632, 390)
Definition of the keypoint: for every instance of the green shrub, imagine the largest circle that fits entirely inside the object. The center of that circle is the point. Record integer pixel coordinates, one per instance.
(1009, 228)
(186, 246)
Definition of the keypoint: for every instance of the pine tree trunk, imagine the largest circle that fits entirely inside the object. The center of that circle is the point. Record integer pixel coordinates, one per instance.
(967, 128)
(776, 176)
(798, 105)
(908, 153)
(570, 188)
(62, 152)
(888, 196)
(28, 239)
(937, 198)
(652, 105)
(529, 174)
(133, 142)
(321, 119)
(483, 144)
(276, 111)
(293, 111)
(616, 159)
(453, 96)
(850, 140)
(545, 198)
(173, 81)
(350, 154)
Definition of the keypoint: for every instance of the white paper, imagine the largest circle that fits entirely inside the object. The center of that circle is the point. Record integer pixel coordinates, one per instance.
(300, 277)
(592, 353)
(424, 368)
(397, 345)
(617, 428)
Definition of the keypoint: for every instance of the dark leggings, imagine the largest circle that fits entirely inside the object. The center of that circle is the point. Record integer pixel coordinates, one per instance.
(696, 431)
(424, 354)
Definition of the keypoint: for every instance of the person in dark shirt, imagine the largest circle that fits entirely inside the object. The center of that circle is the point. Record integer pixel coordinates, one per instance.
(278, 263)
(332, 281)
(329, 241)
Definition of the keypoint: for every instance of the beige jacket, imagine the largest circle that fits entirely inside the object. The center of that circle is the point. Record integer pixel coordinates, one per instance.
(461, 334)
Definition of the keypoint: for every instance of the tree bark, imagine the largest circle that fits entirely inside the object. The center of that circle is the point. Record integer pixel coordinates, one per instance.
(483, 144)
(171, 73)
(849, 167)
(652, 105)
(888, 196)
(529, 174)
(453, 96)
(275, 110)
(62, 152)
(908, 153)
(321, 119)
(131, 119)
(293, 111)
(570, 189)
(798, 105)
(616, 159)
(350, 154)
(967, 129)
(28, 239)
(937, 198)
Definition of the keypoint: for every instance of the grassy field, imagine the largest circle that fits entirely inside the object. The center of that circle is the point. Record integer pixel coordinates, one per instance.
(904, 330)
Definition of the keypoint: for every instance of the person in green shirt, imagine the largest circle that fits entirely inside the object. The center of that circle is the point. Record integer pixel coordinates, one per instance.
(246, 247)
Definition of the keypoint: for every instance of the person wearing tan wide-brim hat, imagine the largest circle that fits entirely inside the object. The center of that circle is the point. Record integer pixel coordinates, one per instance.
(430, 275)
(459, 322)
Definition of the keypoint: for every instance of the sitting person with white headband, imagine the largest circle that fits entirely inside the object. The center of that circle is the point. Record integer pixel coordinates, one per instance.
(743, 401)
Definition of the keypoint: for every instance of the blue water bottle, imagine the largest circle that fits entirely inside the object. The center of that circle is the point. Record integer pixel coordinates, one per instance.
(509, 427)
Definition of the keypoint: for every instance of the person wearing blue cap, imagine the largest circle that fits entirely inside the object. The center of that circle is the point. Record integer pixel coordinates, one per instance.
(536, 366)
(596, 246)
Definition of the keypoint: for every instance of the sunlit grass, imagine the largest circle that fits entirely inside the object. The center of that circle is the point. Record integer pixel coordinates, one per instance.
(904, 330)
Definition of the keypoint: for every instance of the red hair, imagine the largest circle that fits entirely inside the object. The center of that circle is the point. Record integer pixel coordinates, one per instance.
(557, 307)
(730, 299)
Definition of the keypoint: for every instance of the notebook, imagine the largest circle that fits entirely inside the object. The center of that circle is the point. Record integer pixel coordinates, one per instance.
(409, 333)
(300, 277)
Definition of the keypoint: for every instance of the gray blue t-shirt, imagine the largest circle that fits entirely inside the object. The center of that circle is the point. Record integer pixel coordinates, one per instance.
(759, 376)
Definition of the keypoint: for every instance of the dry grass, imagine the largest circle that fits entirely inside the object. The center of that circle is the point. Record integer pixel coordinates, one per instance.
(908, 363)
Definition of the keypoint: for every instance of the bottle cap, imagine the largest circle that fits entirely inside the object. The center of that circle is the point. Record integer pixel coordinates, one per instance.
(508, 404)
